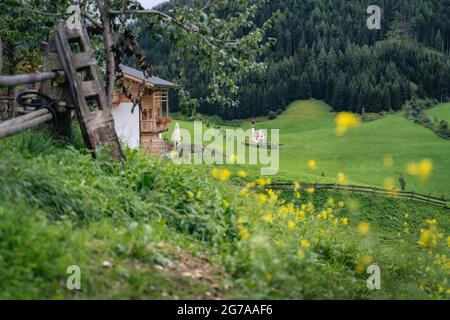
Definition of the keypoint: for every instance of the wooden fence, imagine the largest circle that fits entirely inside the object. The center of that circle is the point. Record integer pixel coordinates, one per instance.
(413, 196)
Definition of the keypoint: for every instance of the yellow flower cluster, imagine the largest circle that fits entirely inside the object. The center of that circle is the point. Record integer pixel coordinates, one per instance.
(221, 174)
(273, 197)
(429, 237)
(421, 170)
(263, 182)
(346, 121)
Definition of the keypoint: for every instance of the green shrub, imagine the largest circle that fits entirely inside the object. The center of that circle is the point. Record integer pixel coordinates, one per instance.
(272, 115)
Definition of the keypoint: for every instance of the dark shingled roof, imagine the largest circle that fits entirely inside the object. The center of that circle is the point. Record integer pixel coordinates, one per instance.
(158, 82)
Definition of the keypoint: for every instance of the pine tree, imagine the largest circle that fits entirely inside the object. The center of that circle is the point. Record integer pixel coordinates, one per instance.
(305, 90)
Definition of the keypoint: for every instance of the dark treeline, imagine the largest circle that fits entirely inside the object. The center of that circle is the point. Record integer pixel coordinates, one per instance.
(324, 50)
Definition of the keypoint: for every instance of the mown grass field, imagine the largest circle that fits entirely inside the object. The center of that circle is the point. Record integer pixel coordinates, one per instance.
(441, 112)
(307, 130)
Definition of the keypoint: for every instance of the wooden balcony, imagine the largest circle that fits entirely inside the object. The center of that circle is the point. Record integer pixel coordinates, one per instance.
(152, 126)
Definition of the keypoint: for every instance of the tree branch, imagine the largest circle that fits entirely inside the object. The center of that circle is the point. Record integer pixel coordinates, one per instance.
(186, 27)
(48, 14)
(92, 20)
(158, 13)
(207, 5)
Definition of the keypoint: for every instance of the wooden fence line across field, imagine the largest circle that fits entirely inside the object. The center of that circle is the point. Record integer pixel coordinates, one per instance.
(443, 202)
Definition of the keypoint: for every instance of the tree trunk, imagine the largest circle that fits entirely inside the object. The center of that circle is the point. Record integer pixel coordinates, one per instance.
(1, 56)
(105, 7)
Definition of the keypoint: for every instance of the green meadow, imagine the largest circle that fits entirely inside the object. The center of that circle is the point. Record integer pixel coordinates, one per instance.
(441, 112)
(307, 132)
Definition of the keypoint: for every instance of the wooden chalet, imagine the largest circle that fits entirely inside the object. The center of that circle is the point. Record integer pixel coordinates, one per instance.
(144, 127)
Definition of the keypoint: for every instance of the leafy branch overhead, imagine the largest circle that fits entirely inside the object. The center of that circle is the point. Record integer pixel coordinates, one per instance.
(219, 36)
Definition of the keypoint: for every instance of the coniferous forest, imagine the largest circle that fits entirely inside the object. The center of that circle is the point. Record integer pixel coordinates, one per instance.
(324, 50)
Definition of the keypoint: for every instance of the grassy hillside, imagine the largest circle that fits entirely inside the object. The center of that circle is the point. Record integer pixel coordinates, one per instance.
(307, 131)
(149, 229)
(441, 112)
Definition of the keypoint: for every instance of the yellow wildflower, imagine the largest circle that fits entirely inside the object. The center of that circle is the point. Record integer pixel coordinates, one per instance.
(225, 203)
(262, 198)
(310, 190)
(250, 185)
(341, 204)
(268, 218)
(297, 186)
(345, 221)
(312, 164)
(304, 244)
(330, 202)
(298, 195)
(420, 170)
(346, 121)
(245, 235)
(301, 254)
(263, 182)
(242, 174)
(215, 173)
(441, 289)
(243, 192)
(427, 239)
(363, 263)
(190, 194)
(273, 196)
(342, 179)
(240, 221)
(363, 228)
(291, 225)
(225, 175)
(221, 174)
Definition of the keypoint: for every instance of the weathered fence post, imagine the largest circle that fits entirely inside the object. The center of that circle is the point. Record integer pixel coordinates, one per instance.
(58, 90)
(88, 93)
